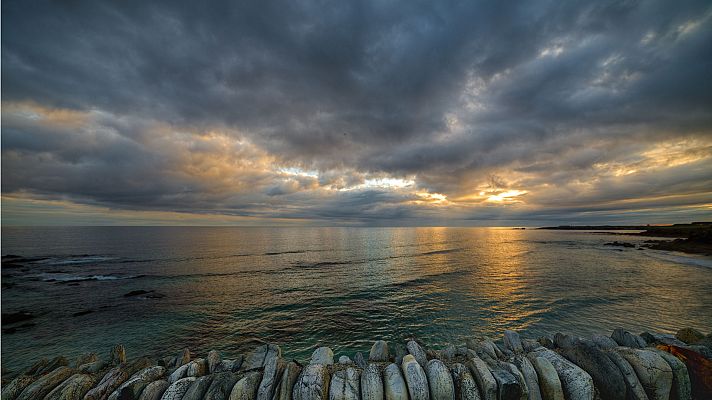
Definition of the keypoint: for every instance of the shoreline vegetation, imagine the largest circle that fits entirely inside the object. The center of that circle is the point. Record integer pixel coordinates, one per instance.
(619, 367)
(695, 237)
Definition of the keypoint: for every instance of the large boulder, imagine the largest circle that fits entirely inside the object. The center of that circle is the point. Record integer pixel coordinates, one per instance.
(177, 389)
(259, 356)
(394, 384)
(131, 389)
(400, 352)
(513, 342)
(485, 380)
(197, 389)
(178, 374)
(681, 386)
(627, 339)
(73, 388)
(283, 391)
(507, 386)
(653, 372)
(521, 381)
(530, 376)
(548, 378)
(42, 386)
(345, 385)
(689, 335)
(634, 390)
(117, 355)
(13, 389)
(154, 390)
(246, 388)
(606, 375)
(197, 367)
(371, 383)
(323, 356)
(270, 378)
(415, 379)
(604, 342)
(360, 361)
(379, 352)
(417, 352)
(576, 382)
(439, 381)
(221, 386)
(465, 386)
(313, 383)
(213, 360)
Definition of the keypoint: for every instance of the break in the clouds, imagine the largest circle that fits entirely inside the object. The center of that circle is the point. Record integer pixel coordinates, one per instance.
(374, 113)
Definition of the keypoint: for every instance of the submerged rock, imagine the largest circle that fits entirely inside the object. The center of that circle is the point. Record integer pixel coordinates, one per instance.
(313, 383)
(371, 383)
(323, 356)
(606, 375)
(345, 385)
(246, 388)
(221, 386)
(549, 383)
(465, 385)
(42, 386)
(177, 389)
(394, 384)
(653, 372)
(415, 379)
(439, 381)
(379, 352)
(417, 352)
(283, 391)
(154, 390)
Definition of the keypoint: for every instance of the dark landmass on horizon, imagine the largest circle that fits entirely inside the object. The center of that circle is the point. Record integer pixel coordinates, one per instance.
(695, 237)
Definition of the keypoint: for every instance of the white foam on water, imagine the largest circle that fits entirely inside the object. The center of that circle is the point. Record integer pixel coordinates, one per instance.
(680, 258)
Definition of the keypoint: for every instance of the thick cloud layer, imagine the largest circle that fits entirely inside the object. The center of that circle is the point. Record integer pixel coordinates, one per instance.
(382, 112)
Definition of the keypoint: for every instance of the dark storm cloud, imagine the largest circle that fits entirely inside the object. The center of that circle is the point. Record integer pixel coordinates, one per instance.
(460, 97)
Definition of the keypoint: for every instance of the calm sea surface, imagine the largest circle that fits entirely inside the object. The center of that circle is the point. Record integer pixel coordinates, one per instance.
(231, 288)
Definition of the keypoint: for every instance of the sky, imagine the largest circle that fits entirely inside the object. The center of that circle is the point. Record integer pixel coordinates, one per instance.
(368, 113)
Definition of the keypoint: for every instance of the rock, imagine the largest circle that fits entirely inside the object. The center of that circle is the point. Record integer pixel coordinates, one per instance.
(653, 372)
(689, 335)
(92, 367)
(177, 389)
(183, 357)
(261, 355)
(400, 351)
(606, 375)
(681, 386)
(322, 355)
(131, 389)
(634, 390)
(117, 355)
(656, 338)
(360, 362)
(345, 360)
(73, 388)
(246, 388)
(415, 379)
(115, 377)
(313, 382)
(517, 374)
(16, 386)
(221, 387)
(36, 367)
(371, 383)
(52, 365)
(178, 374)
(546, 342)
(439, 381)
(283, 391)
(576, 382)
(416, 351)
(227, 366)
(197, 389)
(513, 342)
(197, 367)
(394, 384)
(345, 385)
(530, 345)
(530, 376)
(213, 360)
(379, 352)
(549, 383)
(270, 377)
(465, 385)
(507, 385)
(483, 376)
(627, 339)
(698, 367)
(154, 390)
(448, 353)
(562, 340)
(42, 386)
(85, 359)
(604, 342)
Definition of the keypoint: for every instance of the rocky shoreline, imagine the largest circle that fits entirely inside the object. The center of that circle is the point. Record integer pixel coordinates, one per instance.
(620, 366)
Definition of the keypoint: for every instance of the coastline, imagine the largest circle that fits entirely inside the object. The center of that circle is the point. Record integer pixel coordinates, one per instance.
(620, 366)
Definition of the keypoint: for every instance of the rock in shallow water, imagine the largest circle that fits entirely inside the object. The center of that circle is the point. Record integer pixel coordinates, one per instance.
(283, 391)
(270, 376)
(313, 383)
(213, 360)
(43, 385)
(371, 383)
(16, 386)
(259, 357)
(689, 335)
(131, 389)
(394, 385)
(359, 360)
(73, 388)
(323, 356)
(634, 390)
(417, 352)
(178, 374)
(513, 342)
(197, 389)
(415, 379)
(627, 339)
(379, 352)
(530, 376)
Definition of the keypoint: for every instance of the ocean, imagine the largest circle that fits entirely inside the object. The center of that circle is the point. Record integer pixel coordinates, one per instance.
(229, 288)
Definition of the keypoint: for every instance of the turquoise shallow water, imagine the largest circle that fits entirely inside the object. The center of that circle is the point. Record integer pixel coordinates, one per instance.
(230, 288)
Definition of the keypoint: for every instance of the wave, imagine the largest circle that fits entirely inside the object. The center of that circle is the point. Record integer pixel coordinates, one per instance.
(74, 278)
(679, 258)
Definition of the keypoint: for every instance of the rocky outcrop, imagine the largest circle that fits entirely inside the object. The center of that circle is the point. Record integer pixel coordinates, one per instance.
(42, 386)
(221, 386)
(653, 372)
(198, 388)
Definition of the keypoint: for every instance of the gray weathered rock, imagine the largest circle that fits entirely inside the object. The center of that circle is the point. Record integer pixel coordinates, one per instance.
(92, 367)
(213, 360)
(653, 372)
(270, 378)
(604, 342)
(183, 357)
(177, 389)
(439, 381)
(246, 388)
(197, 389)
(485, 380)
(197, 367)
(222, 385)
(379, 352)
(178, 374)
(415, 379)
(43, 385)
(371, 383)
(465, 385)
(345, 360)
(345, 385)
(517, 374)
(259, 357)
(681, 386)
(227, 366)
(625, 338)
(313, 383)
(563, 340)
(75, 387)
(154, 390)
(576, 382)
(417, 352)
(35, 368)
(513, 342)
(117, 355)
(85, 359)
(634, 389)
(664, 338)
(16, 386)
(548, 379)
(322, 355)
(359, 360)
(530, 376)
(53, 364)
(530, 345)
(283, 391)
(507, 386)
(131, 389)
(606, 375)
(400, 352)
(394, 384)
(448, 353)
